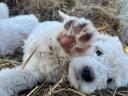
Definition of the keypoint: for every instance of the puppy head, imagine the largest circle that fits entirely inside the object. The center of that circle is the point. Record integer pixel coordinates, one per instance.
(77, 35)
(87, 74)
(109, 51)
(106, 49)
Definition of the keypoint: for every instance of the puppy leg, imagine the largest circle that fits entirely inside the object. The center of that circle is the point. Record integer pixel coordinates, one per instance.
(15, 80)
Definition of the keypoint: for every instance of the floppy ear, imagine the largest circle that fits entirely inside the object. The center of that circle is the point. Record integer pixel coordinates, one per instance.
(63, 15)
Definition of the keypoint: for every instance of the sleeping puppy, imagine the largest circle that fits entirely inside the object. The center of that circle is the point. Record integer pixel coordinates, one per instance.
(104, 65)
(49, 43)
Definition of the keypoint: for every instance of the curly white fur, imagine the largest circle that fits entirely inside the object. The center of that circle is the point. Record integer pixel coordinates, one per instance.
(115, 57)
(38, 64)
(15, 80)
(105, 56)
(44, 62)
(4, 11)
(100, 74)
(14, 30)
(107, 59)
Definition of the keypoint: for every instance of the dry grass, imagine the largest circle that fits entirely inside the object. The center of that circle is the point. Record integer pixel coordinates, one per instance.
(101, 12)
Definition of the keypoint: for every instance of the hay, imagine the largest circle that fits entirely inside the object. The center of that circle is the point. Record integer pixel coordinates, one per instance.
(101, 12)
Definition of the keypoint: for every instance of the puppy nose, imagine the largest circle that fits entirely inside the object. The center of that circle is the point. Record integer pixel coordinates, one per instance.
(87, 74)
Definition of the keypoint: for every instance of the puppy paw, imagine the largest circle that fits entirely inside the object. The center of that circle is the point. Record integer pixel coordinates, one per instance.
(77, 35)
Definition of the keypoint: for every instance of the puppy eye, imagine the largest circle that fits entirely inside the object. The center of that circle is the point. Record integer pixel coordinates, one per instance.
(99, 53)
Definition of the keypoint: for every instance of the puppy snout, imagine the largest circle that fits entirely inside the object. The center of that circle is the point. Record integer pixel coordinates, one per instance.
(87, 74)
(109, 80)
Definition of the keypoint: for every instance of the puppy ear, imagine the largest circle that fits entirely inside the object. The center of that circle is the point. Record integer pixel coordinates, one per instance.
(63, 15)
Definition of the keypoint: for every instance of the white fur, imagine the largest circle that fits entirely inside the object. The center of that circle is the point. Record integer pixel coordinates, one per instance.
(14, 30)
(113, 58)
(100, 74)
(44, 62)
(16, 79)
(4, 11)
(39, 65)
(42, 38)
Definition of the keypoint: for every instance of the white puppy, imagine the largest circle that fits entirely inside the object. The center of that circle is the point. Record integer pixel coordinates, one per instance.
(14, 30)
(111, 52)
(52, 42)
(54, 39)
(105, 59)
(4, 11)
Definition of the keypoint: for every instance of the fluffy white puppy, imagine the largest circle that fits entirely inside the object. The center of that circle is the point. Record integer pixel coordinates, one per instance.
(4, 11)
(52, 42)
(14, 30)
(105, 53)
(53, 39)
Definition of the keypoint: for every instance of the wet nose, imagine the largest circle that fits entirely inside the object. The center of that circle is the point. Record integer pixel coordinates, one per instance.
(87, 74)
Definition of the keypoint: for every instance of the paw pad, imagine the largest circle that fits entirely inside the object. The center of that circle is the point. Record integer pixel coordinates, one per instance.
(86, 37)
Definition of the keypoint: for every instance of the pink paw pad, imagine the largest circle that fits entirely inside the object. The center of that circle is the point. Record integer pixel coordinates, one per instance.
(66, 42)
(75, 36)
(86, 37)
(79, 28)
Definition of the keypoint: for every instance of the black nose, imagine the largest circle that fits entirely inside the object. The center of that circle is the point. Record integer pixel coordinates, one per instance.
(109, 80)
(87, 74)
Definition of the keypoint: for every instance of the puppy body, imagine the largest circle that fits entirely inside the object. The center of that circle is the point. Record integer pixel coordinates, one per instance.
(14, 30)
(51, 42)
(4, 11)
(48, 39)
(15, 80)
(43, 64)
(44, 60)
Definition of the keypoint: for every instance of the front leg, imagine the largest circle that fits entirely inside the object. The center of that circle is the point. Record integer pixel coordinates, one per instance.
(15, 80)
